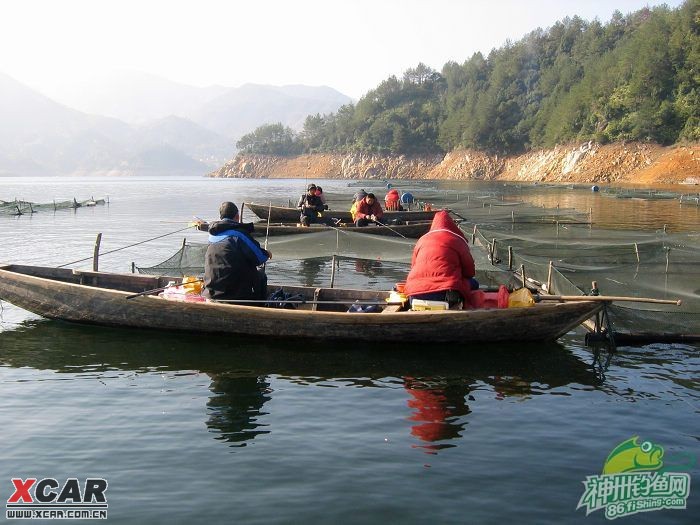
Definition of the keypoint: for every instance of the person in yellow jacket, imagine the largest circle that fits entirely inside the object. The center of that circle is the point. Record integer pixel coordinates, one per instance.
(357, 198)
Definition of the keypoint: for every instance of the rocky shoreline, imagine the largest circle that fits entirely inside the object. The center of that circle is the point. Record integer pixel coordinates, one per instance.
(630, 163)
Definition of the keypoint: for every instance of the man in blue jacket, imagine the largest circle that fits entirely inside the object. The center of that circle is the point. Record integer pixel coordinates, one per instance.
(231, 264)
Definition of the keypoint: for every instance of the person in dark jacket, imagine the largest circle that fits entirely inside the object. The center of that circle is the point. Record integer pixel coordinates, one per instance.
(232, 259)
(368, 210)
(311, 206)
(442, 267)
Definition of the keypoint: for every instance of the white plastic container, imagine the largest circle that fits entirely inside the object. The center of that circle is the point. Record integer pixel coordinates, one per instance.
(421, 304)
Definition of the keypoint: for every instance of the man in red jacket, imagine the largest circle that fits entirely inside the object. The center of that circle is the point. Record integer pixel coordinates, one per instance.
(368, 210)
(442, 266)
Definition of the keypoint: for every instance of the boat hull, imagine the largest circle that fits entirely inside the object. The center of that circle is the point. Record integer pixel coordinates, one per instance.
(102, 299)
(411, 231)
(283, 214)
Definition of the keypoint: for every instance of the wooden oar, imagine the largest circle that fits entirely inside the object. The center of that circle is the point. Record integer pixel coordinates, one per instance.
(609, 298)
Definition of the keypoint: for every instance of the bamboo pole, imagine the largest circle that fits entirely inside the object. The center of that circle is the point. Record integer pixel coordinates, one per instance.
(96, 253)
(510, 258)
(604, 298)
(549, 277)
(333, 269)
(182, 251)
(267, 230)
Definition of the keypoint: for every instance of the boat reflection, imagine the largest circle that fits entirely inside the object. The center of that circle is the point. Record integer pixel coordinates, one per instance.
(438, 382)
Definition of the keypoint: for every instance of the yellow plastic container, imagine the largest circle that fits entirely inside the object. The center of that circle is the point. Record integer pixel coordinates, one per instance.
(396, 297)
(520, 298)
(192, 285)
(421, 305)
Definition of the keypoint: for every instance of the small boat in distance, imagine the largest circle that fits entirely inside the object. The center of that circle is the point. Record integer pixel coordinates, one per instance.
(114, 299)
(285, 214)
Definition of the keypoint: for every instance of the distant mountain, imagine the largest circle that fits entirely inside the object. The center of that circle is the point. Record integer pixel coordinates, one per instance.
(137, 98)
(45, 138)
(134, 97)
(197, 142)
(240, 110)
(39, 136)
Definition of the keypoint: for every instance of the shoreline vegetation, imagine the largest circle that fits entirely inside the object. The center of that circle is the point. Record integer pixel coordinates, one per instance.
(580, 101)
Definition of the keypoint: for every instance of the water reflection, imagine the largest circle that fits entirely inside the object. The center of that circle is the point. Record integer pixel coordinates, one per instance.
(369, 267)
(310, 270)
(438, 383)
(437, 407)
(235, 407)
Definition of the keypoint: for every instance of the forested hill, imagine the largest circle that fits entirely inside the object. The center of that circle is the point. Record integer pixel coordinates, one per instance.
(636, 77)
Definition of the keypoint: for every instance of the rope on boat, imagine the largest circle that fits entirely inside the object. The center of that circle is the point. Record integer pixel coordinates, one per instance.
(125, 247)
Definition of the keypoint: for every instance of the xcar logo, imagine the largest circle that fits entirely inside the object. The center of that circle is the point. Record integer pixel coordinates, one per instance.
(49, 499)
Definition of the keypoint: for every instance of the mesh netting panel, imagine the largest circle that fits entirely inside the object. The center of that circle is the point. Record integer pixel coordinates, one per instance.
(634, 319)
(653, 265)
(188, 260)
(286, 267)
(21, 207)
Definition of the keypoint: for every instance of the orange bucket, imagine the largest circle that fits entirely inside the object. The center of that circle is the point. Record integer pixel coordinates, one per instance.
(400, 287)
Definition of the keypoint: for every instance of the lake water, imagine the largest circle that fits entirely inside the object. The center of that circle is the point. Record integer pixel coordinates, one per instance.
(193, 429)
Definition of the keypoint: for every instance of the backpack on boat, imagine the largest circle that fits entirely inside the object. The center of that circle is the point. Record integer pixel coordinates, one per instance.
(280, 299)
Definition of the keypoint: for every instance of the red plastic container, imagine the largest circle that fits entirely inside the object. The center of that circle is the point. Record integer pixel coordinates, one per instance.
(481, 299)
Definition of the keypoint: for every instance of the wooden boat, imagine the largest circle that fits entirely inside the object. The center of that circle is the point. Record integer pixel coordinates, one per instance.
(284, 214)
(412, 230)
(101, 298)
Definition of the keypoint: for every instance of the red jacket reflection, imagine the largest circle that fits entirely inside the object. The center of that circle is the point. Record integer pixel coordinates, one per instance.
(441, 260)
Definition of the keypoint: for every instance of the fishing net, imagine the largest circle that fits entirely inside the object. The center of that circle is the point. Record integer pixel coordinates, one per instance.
(513, 228)
(658, 265)
(307, 259)
(22, 207)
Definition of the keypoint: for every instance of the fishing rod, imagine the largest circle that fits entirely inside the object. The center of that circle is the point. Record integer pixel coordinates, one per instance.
(390, 229)
(157, 290)
(459, 216)
(304, 301)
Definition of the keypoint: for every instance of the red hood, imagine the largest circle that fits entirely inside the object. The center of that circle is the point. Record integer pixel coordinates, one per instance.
(393, 195)
(443, 221)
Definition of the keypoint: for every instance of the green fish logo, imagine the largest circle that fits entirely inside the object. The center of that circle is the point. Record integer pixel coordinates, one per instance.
(629, 456)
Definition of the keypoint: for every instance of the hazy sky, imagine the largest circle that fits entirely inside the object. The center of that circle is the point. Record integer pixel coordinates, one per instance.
(348, 45)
